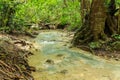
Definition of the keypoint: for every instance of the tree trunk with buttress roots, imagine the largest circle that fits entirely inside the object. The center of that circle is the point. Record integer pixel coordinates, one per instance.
(99, 23)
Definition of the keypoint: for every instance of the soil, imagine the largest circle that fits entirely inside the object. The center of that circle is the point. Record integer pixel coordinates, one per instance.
(13, 58)
(105, 51)
(108, 54)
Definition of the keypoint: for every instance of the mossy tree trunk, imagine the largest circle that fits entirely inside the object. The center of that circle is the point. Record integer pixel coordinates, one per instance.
(99, 23)
(85, 8)
(119, 22)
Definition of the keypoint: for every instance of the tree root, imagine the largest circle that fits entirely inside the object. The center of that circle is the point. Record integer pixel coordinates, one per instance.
(10, 55)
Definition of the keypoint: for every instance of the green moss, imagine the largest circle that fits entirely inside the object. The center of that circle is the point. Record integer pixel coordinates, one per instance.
(94, 45)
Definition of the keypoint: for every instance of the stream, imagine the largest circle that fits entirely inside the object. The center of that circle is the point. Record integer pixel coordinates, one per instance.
(55, 59)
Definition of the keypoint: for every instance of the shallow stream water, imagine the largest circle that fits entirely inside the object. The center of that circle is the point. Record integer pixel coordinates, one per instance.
(57, 60)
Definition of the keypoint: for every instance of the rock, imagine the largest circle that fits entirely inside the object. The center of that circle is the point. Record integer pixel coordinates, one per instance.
(117, 59)
(59, 55)
(31, 68)
(65, 45)
(64, 71)
(49, 61)
(34, 26)
(70, 46)
(52, 26)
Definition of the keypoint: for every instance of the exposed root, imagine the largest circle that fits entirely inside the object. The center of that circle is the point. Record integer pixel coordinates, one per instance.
(13, 62)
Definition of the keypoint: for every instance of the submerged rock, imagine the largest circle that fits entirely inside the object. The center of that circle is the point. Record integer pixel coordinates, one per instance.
(49, 61)
(64, 71)
(60, 55)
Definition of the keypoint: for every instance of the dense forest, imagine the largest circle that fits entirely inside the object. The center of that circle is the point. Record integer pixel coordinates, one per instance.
(59, 33)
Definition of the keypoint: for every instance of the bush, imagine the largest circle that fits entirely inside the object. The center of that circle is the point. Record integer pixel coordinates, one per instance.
(7, 12)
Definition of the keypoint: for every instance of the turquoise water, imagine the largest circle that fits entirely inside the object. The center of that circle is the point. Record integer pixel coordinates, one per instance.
(54, 46)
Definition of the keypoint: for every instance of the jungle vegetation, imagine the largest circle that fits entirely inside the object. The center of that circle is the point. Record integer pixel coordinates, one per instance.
(95, 23)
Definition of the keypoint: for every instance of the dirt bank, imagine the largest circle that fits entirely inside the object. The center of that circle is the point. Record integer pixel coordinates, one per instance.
(13, 59)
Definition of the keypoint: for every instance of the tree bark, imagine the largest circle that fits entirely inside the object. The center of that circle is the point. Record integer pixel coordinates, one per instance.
(85, 8)
(65, 3)
(119, 22)
(99, 23)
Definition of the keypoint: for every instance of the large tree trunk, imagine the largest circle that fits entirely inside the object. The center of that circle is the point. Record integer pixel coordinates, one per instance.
(119, 22)
(97, 19)
(85, 8)
(99, 23)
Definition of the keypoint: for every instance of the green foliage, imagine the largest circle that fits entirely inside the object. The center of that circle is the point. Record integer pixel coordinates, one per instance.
(116, 36)
(118, 3)
(50, 11)
(7, 15)
(36, 11)
(95, 45)
(116, 45)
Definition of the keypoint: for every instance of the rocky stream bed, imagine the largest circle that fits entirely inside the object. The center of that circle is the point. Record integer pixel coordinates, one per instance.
(55, 59)
(50, 56)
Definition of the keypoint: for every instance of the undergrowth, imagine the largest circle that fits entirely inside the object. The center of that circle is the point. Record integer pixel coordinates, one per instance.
(36, 11)
(27, 12)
